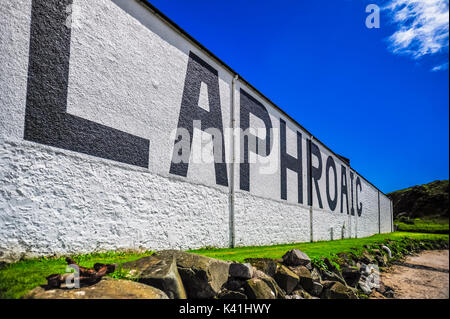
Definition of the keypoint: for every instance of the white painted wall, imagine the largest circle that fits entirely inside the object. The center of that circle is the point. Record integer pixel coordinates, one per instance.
(127, 71)
(55, 202)
(386, 214)
(15, 17)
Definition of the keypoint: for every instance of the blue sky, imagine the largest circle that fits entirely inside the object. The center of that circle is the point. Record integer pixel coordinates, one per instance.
(377, 96)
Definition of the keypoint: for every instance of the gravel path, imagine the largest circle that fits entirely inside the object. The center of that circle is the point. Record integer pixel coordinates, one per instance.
(425, 276)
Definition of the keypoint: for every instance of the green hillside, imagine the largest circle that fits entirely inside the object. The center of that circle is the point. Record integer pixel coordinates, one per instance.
(422, 208)
(428, 200)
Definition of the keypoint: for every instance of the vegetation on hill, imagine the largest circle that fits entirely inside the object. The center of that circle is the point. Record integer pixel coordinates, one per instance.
(428, 200)
(423, 225)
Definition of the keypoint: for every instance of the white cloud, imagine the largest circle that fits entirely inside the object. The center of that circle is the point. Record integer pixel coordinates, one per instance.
(422, 26)
(440, 67)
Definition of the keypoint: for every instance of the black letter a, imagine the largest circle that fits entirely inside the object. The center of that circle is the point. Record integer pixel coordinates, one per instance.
(199, 71)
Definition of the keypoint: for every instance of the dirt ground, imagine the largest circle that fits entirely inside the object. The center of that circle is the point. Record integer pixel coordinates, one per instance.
(425, 276)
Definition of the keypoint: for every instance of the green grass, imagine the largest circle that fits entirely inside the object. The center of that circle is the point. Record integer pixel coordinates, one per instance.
(424, 225)
(313, 250)
(18, 278)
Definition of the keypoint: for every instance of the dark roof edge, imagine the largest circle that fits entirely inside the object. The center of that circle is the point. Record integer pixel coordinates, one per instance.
(169, 21)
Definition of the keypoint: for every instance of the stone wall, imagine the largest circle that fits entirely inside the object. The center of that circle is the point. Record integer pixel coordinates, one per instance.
(94, 97)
